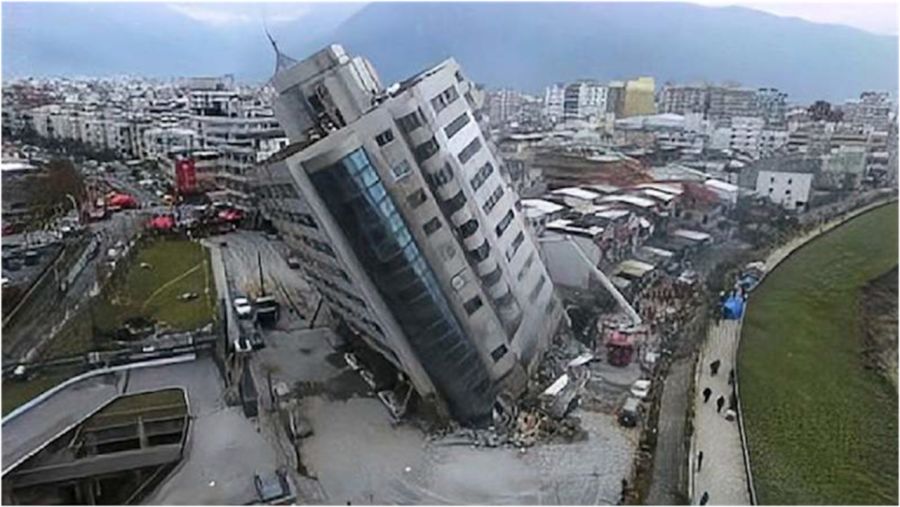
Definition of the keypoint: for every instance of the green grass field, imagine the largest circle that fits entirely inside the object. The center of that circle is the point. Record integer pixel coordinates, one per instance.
(176, 267)
(821, 427)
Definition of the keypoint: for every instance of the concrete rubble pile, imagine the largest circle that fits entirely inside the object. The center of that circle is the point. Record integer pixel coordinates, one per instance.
(543, 415)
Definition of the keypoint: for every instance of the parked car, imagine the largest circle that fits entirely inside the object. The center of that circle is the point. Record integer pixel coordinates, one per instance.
(640, 388)
(630, 413)
(293, 263)
(273, 489)
(243, 308)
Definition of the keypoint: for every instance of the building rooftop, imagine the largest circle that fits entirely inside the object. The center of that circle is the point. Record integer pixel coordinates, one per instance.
(576, 192)
(538, 207)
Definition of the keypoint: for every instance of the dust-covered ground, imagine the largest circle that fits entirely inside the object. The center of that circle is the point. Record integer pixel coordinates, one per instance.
(878, 313)
(359, 457)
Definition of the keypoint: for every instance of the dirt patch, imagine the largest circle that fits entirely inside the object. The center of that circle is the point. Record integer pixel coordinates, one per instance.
(878, 308)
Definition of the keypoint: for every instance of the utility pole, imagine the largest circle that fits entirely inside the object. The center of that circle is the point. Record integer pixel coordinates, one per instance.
(262, 283)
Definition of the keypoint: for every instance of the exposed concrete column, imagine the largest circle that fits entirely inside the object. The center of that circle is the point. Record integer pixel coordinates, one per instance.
(142, 433)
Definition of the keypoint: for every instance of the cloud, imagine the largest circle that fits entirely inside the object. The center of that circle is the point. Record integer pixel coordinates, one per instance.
(221, 15)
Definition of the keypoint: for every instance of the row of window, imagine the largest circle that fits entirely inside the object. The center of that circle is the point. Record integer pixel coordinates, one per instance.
(481, 176)
(444, 99)
(283, 190)
(426, 150)
(493, 199)
(455, 203)
(412, 121)
(335, 288)
(351, 313)
(322, 266)
(537, 289)
(517, 242)
(319, 246)
(293, 216)
(528, 262)
(504, 223)
(456, 125)
(470, 150)
(440, 178)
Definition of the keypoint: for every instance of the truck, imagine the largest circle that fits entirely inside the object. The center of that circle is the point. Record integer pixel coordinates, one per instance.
(267, 311)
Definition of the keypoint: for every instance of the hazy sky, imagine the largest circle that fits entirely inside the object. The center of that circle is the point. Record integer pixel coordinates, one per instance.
(876, 17)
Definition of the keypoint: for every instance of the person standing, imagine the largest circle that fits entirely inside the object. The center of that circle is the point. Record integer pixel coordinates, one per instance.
(699, 460)
(707, 392)
(714, 367)
(704, 499)
(720, 402)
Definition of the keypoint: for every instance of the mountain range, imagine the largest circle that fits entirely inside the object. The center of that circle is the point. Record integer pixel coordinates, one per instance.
(522, 45)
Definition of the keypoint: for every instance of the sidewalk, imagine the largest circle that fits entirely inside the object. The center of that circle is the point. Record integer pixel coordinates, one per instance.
(722, 473)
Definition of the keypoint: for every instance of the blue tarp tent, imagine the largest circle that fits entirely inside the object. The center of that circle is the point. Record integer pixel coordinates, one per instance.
(733, 307)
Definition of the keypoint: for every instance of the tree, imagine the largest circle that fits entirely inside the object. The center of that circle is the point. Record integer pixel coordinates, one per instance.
(48, 194)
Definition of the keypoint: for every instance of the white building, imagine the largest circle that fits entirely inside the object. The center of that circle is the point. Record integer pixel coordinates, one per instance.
(787, 189)
(408, 229)
(554, 97)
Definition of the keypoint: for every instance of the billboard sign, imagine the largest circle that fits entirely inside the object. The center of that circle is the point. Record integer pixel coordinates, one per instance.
(185, 176)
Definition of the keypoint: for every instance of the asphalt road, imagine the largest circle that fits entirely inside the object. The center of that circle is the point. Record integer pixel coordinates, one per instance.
(49, 308)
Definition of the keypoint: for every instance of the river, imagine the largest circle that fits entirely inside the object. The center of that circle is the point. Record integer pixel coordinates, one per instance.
(821, 427)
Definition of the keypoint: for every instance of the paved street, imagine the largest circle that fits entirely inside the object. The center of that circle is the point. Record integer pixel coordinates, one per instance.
(669, 471)
(722, 473)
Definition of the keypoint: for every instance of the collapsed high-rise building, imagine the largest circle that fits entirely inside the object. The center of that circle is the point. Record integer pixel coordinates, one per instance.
(407, 228)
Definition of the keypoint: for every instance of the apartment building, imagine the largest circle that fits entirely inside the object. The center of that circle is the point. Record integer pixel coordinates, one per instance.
(639, 97)
(416, 242)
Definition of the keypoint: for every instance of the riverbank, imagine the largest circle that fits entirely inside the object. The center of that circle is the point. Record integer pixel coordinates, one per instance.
(821, 428)
(878, 309)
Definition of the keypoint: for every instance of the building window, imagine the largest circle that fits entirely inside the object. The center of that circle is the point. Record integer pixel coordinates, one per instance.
(467, 229)
(473, 305)
(493, 277)
(456, 125)
(520, 238)
(506, 299)
(479, 254)
(431, 226)
(412, 121)
(416, 198)
(493, 200)
(537, 289)
(384, 137)
(426, 150)
(499, 352)
(456, 202)
(504, 223)
(444, 99)
(400, 170)
(528, 262)
(459, 77)
(481, 176)
(441, 178)
(469, 151)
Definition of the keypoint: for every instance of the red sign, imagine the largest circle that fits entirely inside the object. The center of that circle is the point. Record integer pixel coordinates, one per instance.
(185, 176)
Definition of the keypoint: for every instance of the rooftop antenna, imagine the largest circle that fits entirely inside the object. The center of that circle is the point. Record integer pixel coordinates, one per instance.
(282, 61)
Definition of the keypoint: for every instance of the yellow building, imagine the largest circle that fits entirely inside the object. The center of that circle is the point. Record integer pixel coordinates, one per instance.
(639, 99)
